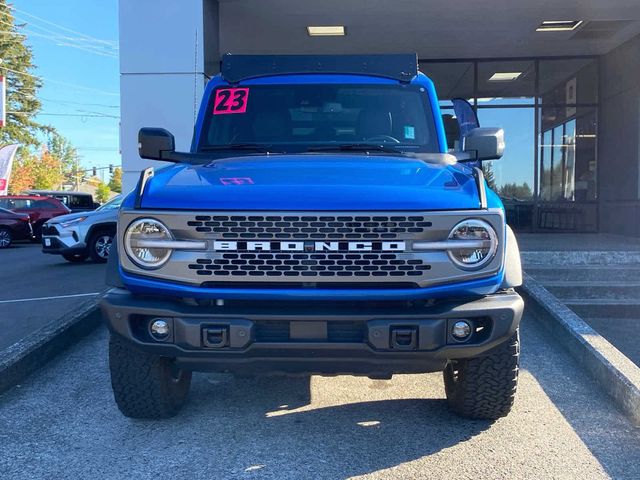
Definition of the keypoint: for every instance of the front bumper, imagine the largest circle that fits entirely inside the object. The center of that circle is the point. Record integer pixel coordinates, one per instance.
(57, 240)
(367, 338)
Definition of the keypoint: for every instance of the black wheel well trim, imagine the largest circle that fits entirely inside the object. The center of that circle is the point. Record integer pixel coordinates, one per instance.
(107, 226)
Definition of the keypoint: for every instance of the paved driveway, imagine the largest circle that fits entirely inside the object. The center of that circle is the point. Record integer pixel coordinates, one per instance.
(63, 423)
(36, 288)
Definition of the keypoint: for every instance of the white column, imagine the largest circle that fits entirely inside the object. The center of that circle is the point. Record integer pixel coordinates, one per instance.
(162, 67)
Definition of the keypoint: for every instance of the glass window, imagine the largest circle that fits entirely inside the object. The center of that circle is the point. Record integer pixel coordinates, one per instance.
(512, 177)
(295, 117)
(112, 204)
(546, 164)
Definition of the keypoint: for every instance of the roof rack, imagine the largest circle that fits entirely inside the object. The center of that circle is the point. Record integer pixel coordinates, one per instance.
(402, 67)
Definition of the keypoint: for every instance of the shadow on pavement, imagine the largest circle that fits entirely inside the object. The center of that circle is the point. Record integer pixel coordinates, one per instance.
(338, 441)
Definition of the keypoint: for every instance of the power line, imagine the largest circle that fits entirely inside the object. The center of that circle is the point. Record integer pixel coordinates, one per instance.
(71, 85)
(63, 42)
(88, 115)
(62, 27)
(87, 41)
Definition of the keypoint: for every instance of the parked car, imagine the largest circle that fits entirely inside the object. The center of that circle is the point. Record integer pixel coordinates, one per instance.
(39, 209)
(14, 226)
(78, 236)
(322, 226)
(75, 201)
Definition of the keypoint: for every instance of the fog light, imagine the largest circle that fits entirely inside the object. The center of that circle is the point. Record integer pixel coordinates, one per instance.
(461, 330)
(159, 329)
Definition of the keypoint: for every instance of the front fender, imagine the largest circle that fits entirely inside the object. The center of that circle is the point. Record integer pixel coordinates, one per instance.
(512, 262)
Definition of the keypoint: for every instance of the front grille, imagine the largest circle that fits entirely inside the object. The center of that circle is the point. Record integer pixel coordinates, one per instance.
(310, 265)
(337, 331)
(50, 230)
(350, 227)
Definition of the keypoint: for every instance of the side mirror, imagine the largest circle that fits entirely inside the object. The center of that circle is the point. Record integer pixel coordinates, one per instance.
(485, 143)
(155, 143)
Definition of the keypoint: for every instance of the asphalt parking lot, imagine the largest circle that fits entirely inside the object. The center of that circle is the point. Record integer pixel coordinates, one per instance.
(36, 288)
(63, 423)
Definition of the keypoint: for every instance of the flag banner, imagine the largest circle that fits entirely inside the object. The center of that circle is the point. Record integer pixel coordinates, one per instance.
(3, 102)
(6, 161)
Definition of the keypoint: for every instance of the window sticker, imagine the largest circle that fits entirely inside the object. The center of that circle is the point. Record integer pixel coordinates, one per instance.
(230, 100)
(409, 132)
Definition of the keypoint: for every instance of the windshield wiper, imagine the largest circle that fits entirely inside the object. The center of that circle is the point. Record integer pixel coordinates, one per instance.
(355, 147)
(255, 147)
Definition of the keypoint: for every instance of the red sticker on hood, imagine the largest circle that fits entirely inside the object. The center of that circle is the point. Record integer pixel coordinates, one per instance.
(230, 100)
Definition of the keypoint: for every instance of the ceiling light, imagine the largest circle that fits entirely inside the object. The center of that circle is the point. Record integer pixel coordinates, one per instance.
(326, 31)
(558, 25)
(504, 76)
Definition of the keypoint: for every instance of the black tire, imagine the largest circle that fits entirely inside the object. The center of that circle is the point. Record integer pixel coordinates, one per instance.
(484, 387)
(98, 250)
(145, 385)
(75, 257)
(6, 237)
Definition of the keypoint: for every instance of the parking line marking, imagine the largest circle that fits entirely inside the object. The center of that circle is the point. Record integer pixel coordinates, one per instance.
(50, 298)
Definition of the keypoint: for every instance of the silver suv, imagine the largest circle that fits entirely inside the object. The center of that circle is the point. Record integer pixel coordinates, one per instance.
(78, 236)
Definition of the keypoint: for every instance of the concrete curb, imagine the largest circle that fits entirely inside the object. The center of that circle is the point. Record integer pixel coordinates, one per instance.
(614, 372)
(24, 357)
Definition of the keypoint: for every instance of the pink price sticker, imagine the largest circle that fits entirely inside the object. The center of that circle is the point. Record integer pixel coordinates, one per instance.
(230, 100)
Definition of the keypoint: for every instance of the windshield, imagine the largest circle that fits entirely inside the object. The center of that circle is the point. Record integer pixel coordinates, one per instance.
(296, 118)
(112, 204)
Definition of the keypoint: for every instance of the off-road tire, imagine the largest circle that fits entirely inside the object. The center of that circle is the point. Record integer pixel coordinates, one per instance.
(484, 387)
(92, 245)
(6, 236)
(75, 257)
(145, 385)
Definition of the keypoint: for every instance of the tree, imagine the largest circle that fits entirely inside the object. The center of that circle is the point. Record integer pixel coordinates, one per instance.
(489, 176)
(48, 172)
(115, 184)
(103, 192)
(40, 172)
(22, 85)
(66, 153)
(22, 174)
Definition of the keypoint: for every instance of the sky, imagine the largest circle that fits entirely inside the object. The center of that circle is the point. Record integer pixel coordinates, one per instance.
(75, 49)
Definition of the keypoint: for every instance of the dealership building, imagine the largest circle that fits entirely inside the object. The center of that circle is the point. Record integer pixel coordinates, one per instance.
(561, 78)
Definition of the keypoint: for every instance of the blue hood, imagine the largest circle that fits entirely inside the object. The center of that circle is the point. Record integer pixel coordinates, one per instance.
(313, 182)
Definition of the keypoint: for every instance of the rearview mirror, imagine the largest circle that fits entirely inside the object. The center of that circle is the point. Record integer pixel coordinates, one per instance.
(484, 143)
(155, 143)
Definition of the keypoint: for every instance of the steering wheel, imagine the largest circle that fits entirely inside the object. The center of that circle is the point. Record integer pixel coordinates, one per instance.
(382, 138)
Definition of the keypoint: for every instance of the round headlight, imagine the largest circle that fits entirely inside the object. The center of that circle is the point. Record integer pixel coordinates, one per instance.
(482, 244)
(147, 229)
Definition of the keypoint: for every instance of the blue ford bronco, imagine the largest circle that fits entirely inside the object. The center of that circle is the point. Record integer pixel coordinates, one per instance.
(326, 220)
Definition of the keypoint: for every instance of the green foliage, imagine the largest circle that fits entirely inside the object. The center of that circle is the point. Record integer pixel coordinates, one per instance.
(61, 148)
(22, 86)
(115, 184)
(103, 192)
(515, 191)
(489, 176)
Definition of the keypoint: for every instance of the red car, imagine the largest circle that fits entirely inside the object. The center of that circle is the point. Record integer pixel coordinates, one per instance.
(14, 226)
(39, 209)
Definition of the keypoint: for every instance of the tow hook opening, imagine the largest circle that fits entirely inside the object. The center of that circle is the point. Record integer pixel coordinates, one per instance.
(215, 337)
(404, 338)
